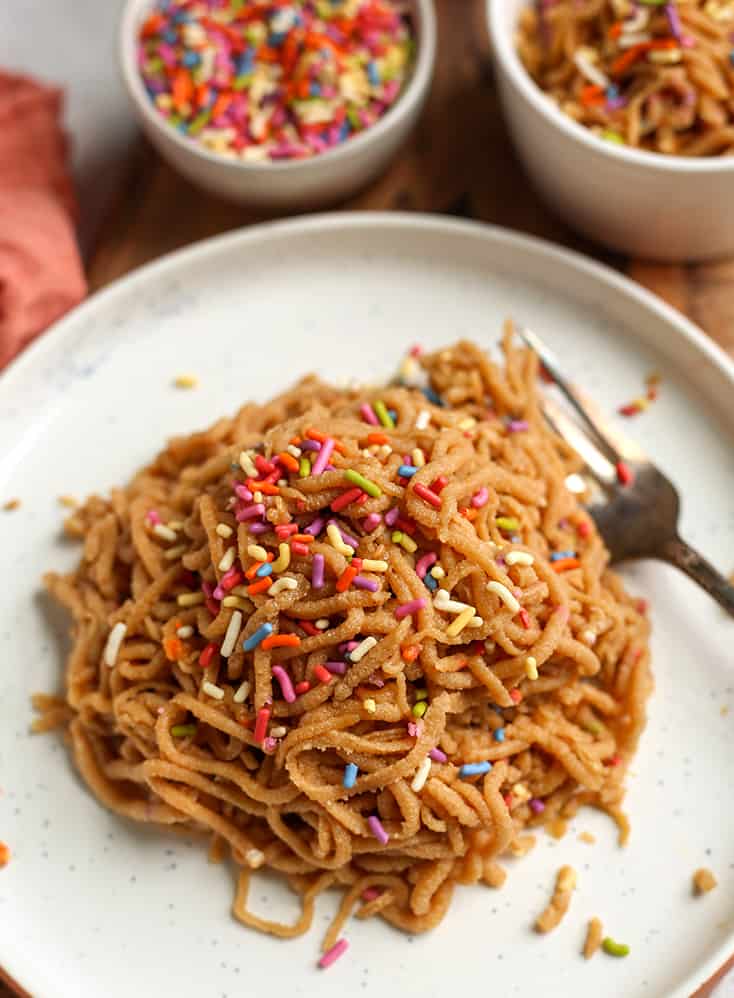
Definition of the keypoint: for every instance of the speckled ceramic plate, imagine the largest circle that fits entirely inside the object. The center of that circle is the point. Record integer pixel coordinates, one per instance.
(91, 905)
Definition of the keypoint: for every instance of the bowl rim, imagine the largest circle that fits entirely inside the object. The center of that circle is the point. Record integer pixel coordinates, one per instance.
(408, 101)
(505, 53)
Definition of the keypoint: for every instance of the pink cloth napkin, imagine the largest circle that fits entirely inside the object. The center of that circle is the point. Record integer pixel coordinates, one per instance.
(41, 274)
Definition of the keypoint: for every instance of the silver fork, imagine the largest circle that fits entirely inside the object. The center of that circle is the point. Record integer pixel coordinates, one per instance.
(635, 507)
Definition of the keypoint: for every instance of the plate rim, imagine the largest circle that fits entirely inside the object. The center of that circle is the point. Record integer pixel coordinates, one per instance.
(327, 223)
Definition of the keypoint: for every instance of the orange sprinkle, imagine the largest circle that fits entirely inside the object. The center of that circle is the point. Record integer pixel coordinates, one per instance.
(469, 513)
(221, 104)
(173, 647)
(616, 30)
(628, 58)
(288, 461)
(320, 437)
(295, 441)
(255, 566)
(260, 586)
(4, 854)
(267, 54)
(302, 538)
(267, 487)
(410, 652)
(378, 438)
(565, 564)
(346, 578)
(182, 88)
(281, 641)
(592, 94)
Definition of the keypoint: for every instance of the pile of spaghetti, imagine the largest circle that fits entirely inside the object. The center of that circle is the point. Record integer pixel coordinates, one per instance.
(656, 76)
(361, 637)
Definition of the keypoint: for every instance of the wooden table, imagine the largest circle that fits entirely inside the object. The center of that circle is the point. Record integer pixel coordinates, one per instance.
(459, 162)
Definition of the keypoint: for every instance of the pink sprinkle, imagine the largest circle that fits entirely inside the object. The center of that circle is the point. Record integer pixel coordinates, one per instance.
(259, 528)
(437, 755)
(370, 893)
(371, 522)
(269, 744)
(480, 498)
(243, 492)
(336, 668)
(322, 458)
(518, 426)
(153, 517)
(377, 830)
(391, 516)
(412, 607)
(285, 683)
(368, 414)
(219, 593)
(317, 571)
(536, 805)
(415, 728)
(332, 955)
(424, 563)
(249, 512)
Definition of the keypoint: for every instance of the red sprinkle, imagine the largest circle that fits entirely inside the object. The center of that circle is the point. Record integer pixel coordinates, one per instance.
(298, 547)
(440, 484)
(346, 578)
(263, 466)
(625, 474)
(309, 628)
(212, 606)
(583, 528)
(427, 495)
(405, 525)
(342, 501)
(284, 530)
(508, 799)
(207, 654)
(322, 674)
(614, 760)
(515, 695)
(524, 617)
(231, 579)
(302, 687)
(261, 725)
(410, 653)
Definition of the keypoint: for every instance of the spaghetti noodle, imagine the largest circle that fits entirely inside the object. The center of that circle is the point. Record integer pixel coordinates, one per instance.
(342, 633)
(656, 76)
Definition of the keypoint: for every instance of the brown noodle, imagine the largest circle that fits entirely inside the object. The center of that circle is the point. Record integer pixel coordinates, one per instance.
(657, 77)
(569, 734)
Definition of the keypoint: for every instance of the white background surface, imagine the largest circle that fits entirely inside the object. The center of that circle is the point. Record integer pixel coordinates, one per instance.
(72, 42)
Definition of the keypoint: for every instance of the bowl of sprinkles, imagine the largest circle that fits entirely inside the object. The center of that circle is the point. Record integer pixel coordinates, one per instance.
(623, 113)
(282, 103)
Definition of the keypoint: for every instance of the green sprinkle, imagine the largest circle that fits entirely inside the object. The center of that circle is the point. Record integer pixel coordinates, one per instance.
(609, 136)
(363, 483)
(396, 536)
(507, 523)
(615, 949)
(353, 119)
(593, 727)
(420, 708)
(304, 467)
(154, 65)
(383, 415)
(242, 82)
(199, 122)
(421, 694)
(182, 730)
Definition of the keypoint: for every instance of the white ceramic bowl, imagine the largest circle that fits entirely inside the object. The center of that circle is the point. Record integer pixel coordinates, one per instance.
(642, 203)
(306, 183)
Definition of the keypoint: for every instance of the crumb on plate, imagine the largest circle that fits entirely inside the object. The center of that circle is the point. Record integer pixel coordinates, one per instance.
(703, 881)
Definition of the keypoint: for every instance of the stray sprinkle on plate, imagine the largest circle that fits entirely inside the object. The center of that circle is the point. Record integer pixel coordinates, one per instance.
(186, 381)
(11, 505)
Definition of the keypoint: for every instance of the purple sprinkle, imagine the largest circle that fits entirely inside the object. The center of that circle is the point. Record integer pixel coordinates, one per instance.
(243, 492)
(391, 516)
(310, 445)
(317, 571)
(249, 512)
(375, 680)
(315, 527)
(323, 456)
(371, 522)
(437, 755)
(377, 830)
(363, 583)
(347, 538)
(518, 426)
(259, 528)
(269, 744)
(336, 668)
(537, 806)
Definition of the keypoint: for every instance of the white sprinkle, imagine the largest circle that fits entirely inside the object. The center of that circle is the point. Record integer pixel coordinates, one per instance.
(519, 558)
(423, 420)
(282, 481)
(175, 524)
(504, 594)
(242, 691)
(185, 632)
(170, 554)
(247, 465)
(165, 533)
(281, 584)
(521, 792)
(215, 692)
(374, 565)
(589, 637)
(438, 572)
(279, 732)
(531, 667)
(370, 706)
(227, 559)
(190, 599)
(385, 451)
(475, 622)
(362, 648)
(223, 530)
(293, 450)
(442, 602)
(257, 552)
(583, 57)
(366, 452)
(418, 458)
(254, 858)
(468, 423)
(114, 640)
(231, 635)
(322, 624)
(421, 775)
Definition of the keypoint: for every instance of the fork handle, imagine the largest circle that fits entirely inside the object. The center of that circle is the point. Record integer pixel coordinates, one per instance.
(688, 560)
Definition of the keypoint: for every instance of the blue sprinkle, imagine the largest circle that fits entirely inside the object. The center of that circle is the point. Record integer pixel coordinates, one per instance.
(344, 131)
(276, 39)
(181, 17)
(170, 36)
(245, 62)
(432, 396)
(373, 74)
(314, 90)
(394, 415)
(350, 775)
(612, 92)
(499, 735)
(430, 581)
(406, 471)
(190, 59)
(731, 57)
(263, 570)
(264, 631)
(560, 555)
(474, 769)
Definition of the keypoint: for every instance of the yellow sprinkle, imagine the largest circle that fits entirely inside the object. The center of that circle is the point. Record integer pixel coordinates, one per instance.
(257, 552)
(374, 565)
(521, 792)
(458, 624)
(186, 381)
(519, 558)
(468, 423)
(69, 501)
(531, 667)
(223, 530)
(332, 532)
(406, 542)
(227, 559)
(172, 553)
(504, 594)
(358, 653)
(190, 599)
(165, 533)
(370, 706)
(322, 624)
(475, 622)
(418, 458)
(283, 560)
(175, 524)
(247, 465)
(242, 692)
(236, 601)
(438, 572)
(280, 585)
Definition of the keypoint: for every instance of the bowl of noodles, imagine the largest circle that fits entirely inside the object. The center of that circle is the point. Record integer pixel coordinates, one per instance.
(623, 116)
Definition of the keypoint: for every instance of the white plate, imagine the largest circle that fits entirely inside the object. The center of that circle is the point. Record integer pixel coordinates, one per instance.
(90, 905)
